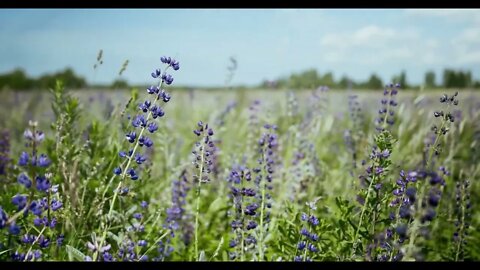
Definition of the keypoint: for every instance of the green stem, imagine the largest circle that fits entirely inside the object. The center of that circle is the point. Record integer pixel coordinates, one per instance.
(34, 242)
(395, 238)
(260, 238)
(386, 114)
(460, 232)
(307, 240)
(429, 163)
(153, 246)
(124, 173)
(199, 186)
(242, 218)
(364, 208)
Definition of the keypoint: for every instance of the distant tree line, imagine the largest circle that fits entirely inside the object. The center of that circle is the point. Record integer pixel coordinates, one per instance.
(312, 79)
(18, 79)
(309, 79)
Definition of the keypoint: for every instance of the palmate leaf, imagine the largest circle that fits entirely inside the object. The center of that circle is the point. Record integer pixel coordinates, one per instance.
(75, 254)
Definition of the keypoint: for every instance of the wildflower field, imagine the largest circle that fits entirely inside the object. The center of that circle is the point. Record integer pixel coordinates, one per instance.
(239, 175)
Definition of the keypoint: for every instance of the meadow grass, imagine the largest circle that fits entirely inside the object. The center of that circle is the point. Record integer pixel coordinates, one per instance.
(315, 184)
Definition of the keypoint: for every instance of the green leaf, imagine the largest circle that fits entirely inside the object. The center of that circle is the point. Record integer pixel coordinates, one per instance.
(216, 205)
(75, 254)
(5, 251)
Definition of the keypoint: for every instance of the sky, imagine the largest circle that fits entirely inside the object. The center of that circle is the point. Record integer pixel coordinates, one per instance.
(267, 43)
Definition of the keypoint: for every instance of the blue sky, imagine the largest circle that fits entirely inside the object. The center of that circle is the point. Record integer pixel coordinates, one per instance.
(268, 43)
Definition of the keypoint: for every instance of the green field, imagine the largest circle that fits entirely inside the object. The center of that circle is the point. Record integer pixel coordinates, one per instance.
(316, 168)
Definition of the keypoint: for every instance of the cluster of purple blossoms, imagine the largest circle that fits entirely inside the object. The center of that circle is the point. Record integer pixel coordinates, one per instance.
(304, 167)
(463, 214)
(130, 250)
(41, 241)
(292, 105)
(42, 209)
(308, 238)
(355, 112)
(127, 250)
(267, 161)
(171, 62)
(254, 109)
(176, 219)
(349, 134)
(317, 101)
(204, 152)
(245, 212)
(432, 200)
(143, 122)
(394, 236)
(253, 122)
(216, 165)
(4, 152)
(103, 250)
(3, 218)
(380, 162)
(221, 118)
(445, 116)
(298, 171)
(386, 112)
(407, 208)
(43, 212)
(350, 145)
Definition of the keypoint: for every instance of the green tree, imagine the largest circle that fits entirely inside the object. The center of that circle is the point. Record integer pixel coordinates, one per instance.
(345, 83)
(457, 79)
(120, 84)
(327, 80)
(401, 79)
(17, 79)
(374, 82)
(430, 79)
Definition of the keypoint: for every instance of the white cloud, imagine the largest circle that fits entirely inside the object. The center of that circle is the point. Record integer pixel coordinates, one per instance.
(371, 36)
(463, 48)
(365, 35)
(466, 47)
(372, 43)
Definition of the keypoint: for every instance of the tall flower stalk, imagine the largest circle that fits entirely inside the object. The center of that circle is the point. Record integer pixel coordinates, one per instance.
(143, 122)
(203, 162)
(268, 145)
(378, 168)
(42, 201)
(446, 118)
(463, 209)
(243, 222)
(4, 152)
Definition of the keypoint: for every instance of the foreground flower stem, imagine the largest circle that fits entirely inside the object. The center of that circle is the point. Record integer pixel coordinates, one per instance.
(153, 246)
(416, 222)
(395, 238)
(199, 186)
(260, 238)
(34, 242)
(124, 174)
(307, 238)
(461, 232)
(364, 208)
